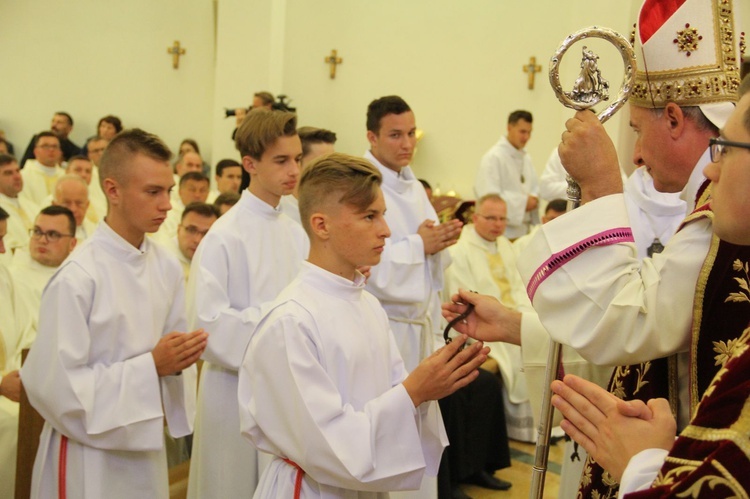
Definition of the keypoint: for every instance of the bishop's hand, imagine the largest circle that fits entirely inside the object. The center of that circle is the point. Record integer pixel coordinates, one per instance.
(589, 156)
(490, 320)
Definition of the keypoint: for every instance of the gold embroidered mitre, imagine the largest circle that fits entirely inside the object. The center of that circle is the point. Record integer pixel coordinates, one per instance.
(689, 52)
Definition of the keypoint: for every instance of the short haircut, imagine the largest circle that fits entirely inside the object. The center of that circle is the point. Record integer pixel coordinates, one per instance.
(55, 210)
(261, 128)
(489, 197)
(226, 163)
(181, 157)
(3, 214)
(693, 114)
(197, 176)
(265, 97)
(6, 159)
(226, 198)
(202, 209)
(46, 133)
(80, 157)
(67, 116)
(112, 120)
(70, 177)
(518, 115)
(379, 108)
(192, 143)
(346, 179)
(127, 144)
(309, 135)
(95, 138)
(558, 205)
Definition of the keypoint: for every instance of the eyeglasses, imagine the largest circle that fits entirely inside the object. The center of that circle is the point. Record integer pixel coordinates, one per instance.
(49, 147)
(718, 147)
(493, 219)
(52, 235)
(194, 231)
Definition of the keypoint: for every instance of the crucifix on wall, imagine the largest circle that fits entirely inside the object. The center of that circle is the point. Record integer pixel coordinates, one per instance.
(175, 51)
(334, 61)
(532, 68)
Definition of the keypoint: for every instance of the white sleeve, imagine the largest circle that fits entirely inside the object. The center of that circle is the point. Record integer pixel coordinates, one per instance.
(487, 180)
(378, 448)
(401, 275)
(642, 470)
(116, 406)
(602, 300)
(492, 178)
(211, 308)
(553, 183)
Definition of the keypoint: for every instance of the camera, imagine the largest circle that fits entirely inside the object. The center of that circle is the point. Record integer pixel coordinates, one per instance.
(280, 105)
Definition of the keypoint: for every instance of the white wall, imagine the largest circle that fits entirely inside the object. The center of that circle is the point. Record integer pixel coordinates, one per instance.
(459, 65)
(92, 58)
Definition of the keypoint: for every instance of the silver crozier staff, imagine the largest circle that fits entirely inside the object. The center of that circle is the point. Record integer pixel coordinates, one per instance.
(588, 90)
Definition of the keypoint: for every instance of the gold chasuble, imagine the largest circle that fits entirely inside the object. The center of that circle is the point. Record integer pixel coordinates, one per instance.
(497, 267)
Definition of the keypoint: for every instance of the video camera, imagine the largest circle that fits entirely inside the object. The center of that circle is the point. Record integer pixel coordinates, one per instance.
(281, 104)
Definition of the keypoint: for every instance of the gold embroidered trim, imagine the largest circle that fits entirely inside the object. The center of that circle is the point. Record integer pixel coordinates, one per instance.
(700, 291)
(692, 86)
(744, 283)
(736, 433)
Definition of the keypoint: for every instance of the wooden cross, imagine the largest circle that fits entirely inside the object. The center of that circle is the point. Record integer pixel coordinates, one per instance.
(175, 51)
(333, 61)
(532, 68)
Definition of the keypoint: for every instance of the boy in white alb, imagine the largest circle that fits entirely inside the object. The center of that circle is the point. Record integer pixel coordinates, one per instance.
(249, 255)
(322, 385)
(110, 361)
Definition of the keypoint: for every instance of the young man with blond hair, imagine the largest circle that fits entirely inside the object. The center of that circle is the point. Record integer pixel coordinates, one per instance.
(244, 261)
(351, 422)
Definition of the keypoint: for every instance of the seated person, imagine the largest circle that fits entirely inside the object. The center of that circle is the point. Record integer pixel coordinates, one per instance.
(225, 201)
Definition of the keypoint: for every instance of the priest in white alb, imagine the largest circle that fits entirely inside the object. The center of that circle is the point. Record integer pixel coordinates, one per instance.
(14, 325)
(41, 173)
(21, 211)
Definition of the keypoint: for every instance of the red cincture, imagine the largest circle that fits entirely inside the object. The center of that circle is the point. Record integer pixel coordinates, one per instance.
(62, 467)
(297, 478)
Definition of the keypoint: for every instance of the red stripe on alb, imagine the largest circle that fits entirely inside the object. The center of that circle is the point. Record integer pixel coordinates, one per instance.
(62, 467)
(654, 13)
(557, 260)
(297, 478)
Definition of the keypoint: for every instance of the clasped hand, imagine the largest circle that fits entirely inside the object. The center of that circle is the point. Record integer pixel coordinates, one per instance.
(437, 237)
(177, 351)
(610, 429)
